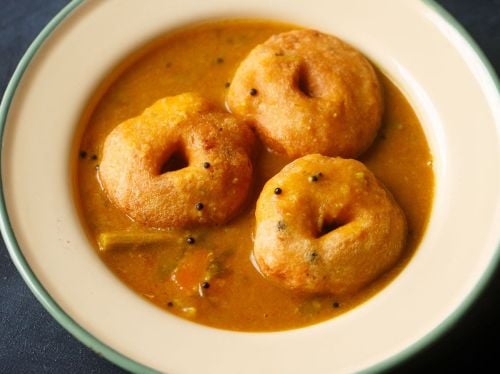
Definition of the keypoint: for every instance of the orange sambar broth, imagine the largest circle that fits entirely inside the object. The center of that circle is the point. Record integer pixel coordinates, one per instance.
(203, 58)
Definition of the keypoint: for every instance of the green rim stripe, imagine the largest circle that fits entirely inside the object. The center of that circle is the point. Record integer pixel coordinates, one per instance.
(8, 234)
(86, 338)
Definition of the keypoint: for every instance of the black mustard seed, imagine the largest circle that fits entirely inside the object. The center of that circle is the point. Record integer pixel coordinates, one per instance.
(281, 225)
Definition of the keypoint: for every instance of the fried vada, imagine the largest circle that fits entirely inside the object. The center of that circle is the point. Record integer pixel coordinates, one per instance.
(327, 226)
(307, 92)
(209, 189)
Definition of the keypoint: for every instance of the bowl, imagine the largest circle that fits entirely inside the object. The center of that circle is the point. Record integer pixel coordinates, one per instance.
(432, 61)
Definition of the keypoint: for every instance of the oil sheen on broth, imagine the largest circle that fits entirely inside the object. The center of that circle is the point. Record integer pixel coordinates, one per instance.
(203, 59)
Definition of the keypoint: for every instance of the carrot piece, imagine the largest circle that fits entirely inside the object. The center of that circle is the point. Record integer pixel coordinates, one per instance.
(191, 270)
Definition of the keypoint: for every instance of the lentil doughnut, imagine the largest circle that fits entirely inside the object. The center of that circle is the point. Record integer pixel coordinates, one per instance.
(308, 92)
(327, 225)
(209, 190)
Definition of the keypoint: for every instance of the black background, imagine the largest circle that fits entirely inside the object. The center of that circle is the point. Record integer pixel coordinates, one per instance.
(31, 341)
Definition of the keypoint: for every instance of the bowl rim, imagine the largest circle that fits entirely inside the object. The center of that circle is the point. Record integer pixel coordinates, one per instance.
(123, 361)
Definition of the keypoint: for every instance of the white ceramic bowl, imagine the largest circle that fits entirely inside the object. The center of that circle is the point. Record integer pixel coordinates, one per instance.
(430, 59)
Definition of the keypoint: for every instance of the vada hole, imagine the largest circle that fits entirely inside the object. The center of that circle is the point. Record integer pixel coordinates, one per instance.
(305, 84)
(176, 161)
(329, 226)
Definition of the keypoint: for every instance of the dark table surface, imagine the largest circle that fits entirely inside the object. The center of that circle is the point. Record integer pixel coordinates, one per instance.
(31, 341)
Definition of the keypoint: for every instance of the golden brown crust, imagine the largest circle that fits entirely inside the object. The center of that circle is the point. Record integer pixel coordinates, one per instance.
(135, 151)
(312, 94)
(366, 227)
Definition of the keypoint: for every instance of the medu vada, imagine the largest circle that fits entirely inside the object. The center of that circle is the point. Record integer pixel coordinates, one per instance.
(327, 225)
(210, 189)
(307, 92)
